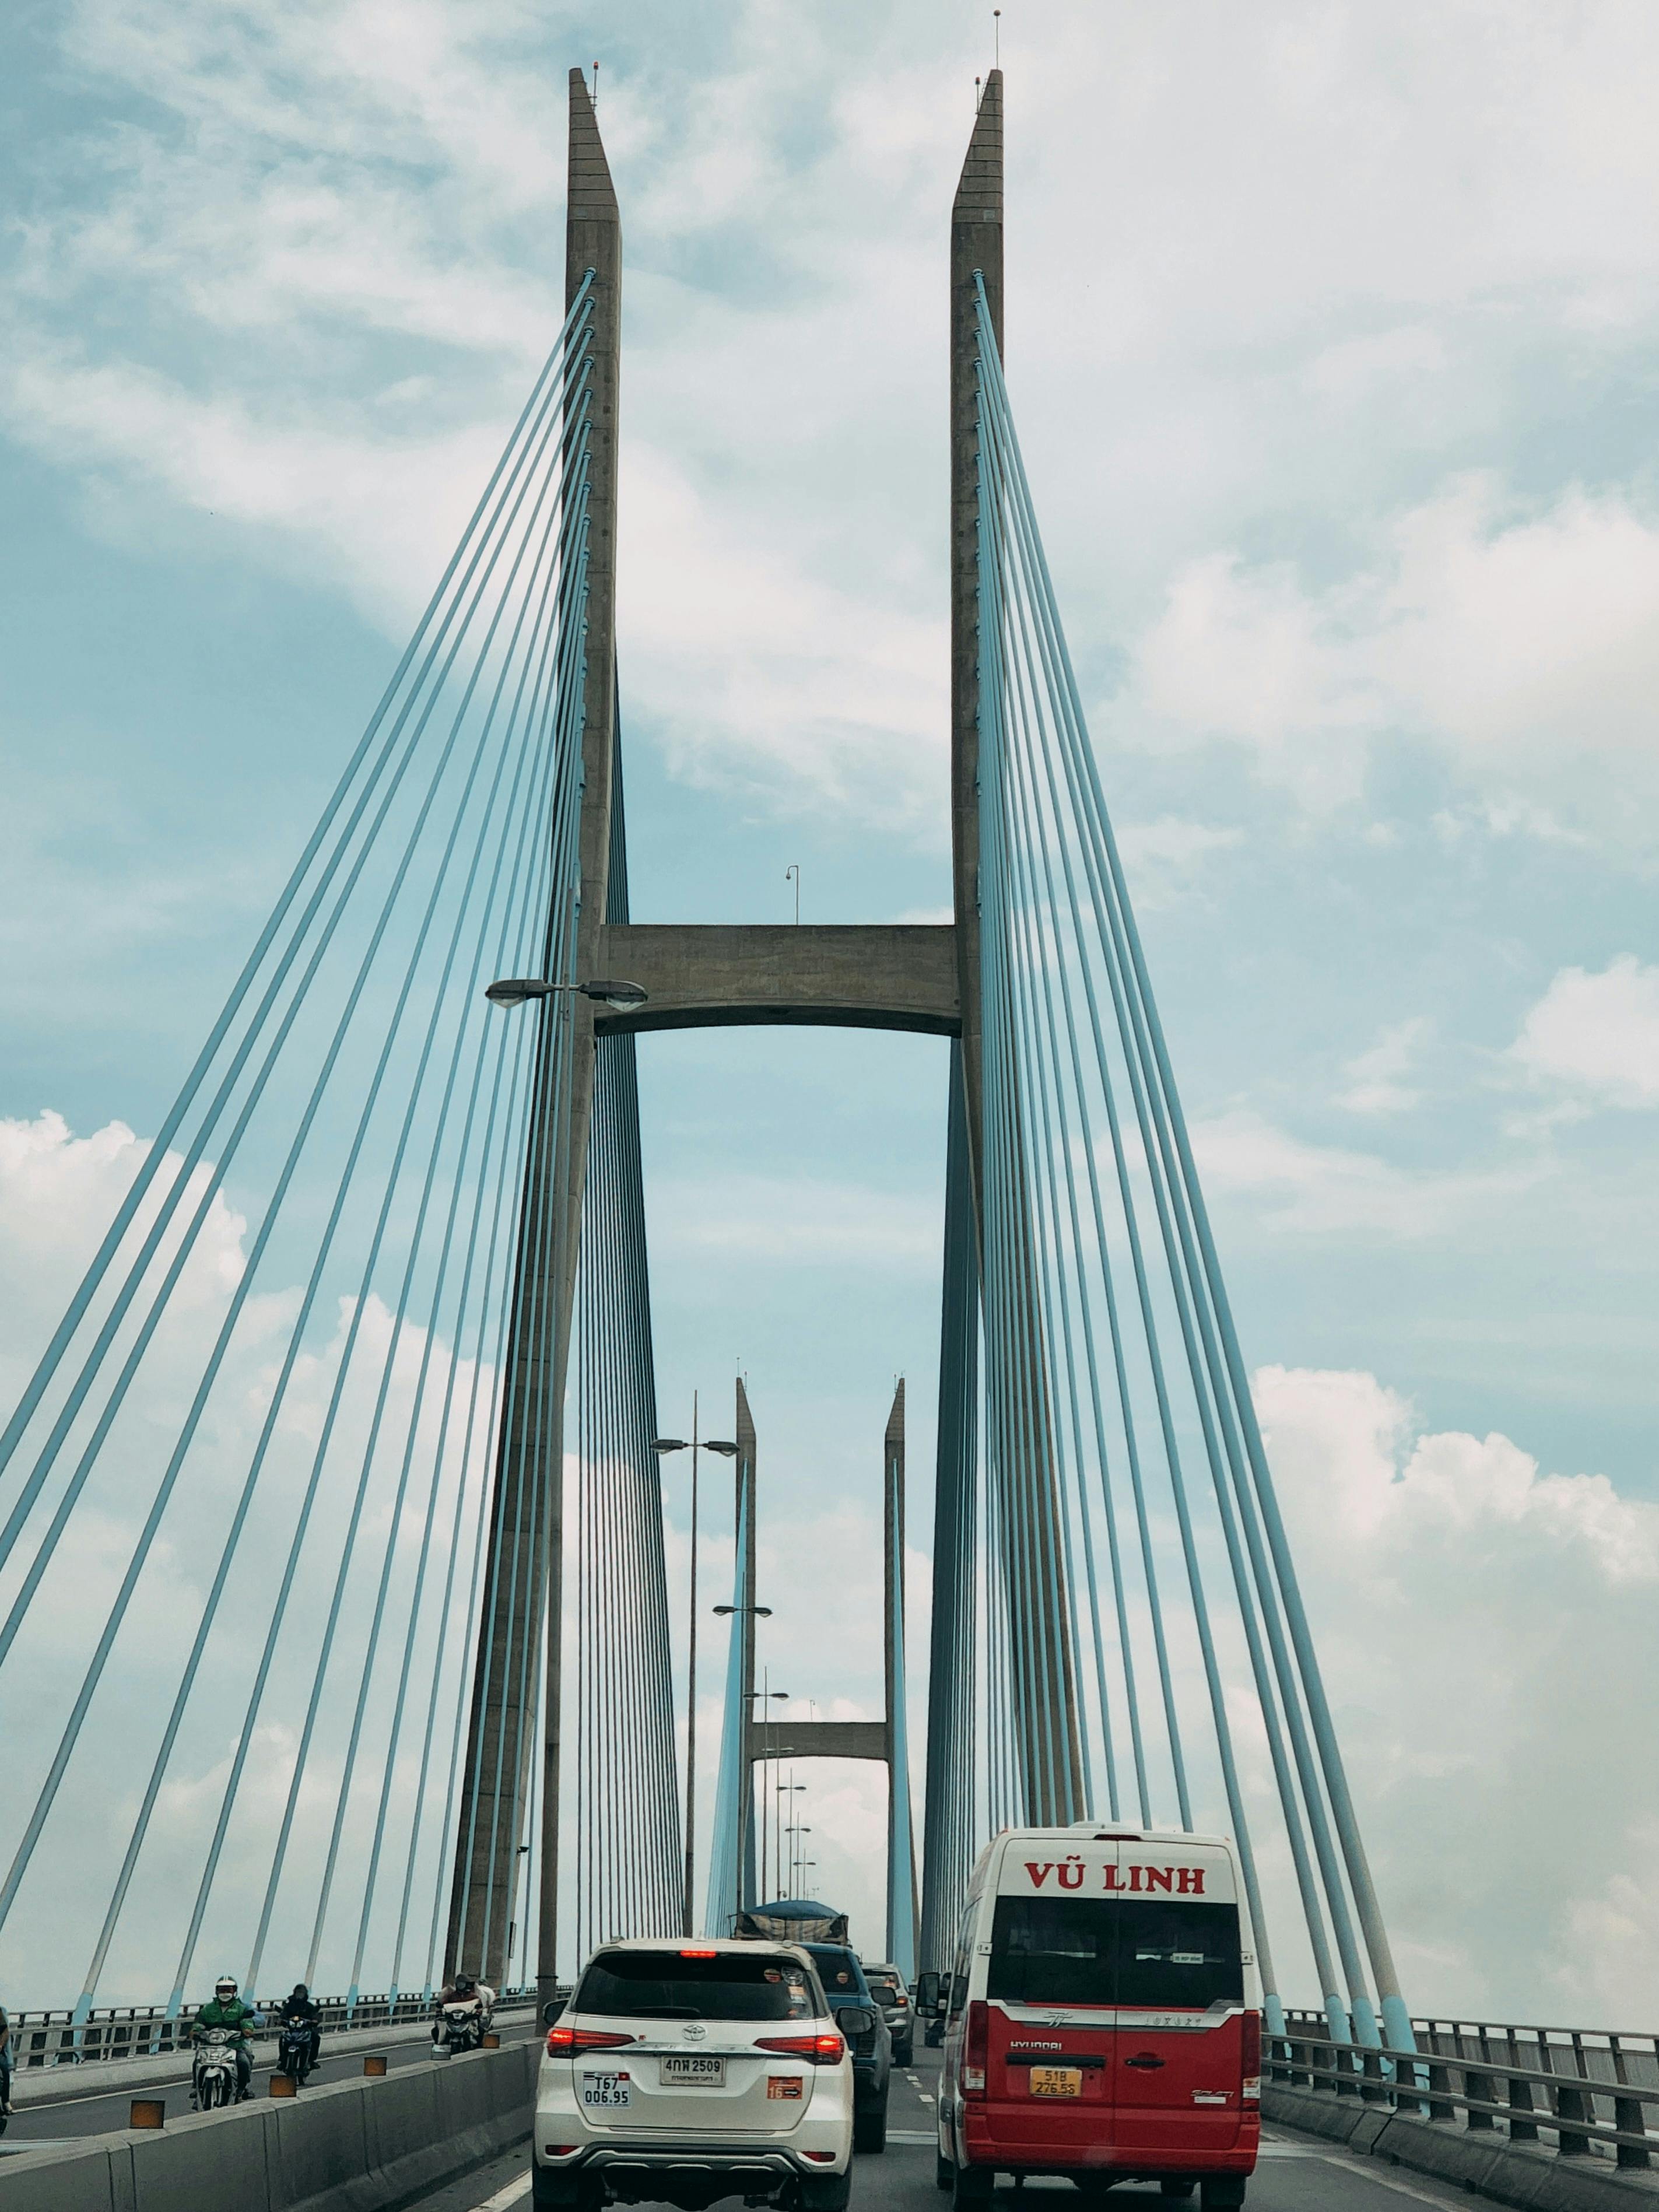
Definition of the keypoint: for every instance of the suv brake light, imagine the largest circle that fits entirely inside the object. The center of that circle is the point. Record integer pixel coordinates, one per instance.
(975, 2049)
(707, 1951)
(561, 2041)
(816, 2049)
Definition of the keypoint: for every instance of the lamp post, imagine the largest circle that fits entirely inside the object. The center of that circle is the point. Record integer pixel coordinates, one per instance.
(785, 1790)
(794, 1850)
(755, 1613)
(765, 1692)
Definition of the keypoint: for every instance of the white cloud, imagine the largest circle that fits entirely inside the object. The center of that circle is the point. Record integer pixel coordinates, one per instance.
(1471, 1612)
(1326, 1190)
(1522, 642)
(1166, 858)
(1375, 1077)
(323, 204)
(1599, 1033)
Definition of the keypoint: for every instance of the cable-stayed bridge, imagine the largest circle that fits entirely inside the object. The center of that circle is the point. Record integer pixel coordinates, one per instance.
(335, 1630)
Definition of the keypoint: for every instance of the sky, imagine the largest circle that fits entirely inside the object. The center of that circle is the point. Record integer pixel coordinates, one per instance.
(1329, 331)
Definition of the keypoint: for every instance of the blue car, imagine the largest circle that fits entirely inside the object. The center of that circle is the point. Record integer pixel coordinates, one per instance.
(844, 1985)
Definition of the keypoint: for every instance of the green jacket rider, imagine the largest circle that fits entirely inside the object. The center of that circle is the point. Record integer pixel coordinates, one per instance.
(225, 2010)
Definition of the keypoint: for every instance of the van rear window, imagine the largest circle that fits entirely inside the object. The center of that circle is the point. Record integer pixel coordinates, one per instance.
(665, 1985)
(1143, 1952)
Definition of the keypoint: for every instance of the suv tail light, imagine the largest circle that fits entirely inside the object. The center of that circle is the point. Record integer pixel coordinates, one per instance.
(816, 2049)
(1252, 2066)
(975, 2049)
(561, 2041)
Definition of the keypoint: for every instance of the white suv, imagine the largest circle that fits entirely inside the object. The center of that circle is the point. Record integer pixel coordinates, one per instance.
(684, 2072)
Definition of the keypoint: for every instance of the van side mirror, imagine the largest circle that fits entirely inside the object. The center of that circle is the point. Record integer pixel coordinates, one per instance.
(551, 2010)
(927, 1992)
(854, 2019)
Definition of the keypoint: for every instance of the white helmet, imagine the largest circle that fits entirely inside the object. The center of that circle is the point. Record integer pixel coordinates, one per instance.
(225, 1982)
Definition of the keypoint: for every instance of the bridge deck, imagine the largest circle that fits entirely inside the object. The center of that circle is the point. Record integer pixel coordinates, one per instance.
(1297, 2174)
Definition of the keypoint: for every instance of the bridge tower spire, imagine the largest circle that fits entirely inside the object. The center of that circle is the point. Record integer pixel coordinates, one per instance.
(524, 1569)
(1019, 1438)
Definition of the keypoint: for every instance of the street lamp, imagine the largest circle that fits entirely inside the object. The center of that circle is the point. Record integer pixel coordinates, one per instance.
(783, 1789)
(794, 1851)
(513, 990)
(663, 1446)
(767, 1691)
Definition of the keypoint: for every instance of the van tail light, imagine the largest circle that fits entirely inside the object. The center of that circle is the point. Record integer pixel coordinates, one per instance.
(976, 2048)
(1252, 2065)
(561, 2041)
(816, 2049)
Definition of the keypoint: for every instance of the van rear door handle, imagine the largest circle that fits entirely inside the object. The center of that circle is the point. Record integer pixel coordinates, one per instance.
(1145, 2060)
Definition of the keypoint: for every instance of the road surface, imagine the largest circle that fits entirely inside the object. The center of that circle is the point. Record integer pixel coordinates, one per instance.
(1297, 2174)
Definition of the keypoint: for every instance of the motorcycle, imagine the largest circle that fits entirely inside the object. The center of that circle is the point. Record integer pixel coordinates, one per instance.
(213, 2076)
(293, 2053)
(460, 2028)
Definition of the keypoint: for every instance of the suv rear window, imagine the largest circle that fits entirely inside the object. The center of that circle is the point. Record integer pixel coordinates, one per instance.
(1101, 1951)
(668, 1985)
(885, 1986)
(839, 1973)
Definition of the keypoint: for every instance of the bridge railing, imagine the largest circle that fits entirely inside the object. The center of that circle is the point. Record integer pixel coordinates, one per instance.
(55, 2039)
(1587, 2092)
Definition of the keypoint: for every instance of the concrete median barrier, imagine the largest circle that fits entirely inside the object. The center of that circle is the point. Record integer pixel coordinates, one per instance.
(359, 2146)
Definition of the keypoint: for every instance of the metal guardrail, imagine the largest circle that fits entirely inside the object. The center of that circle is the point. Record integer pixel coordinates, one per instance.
(53, 2038)
(1536, 2085)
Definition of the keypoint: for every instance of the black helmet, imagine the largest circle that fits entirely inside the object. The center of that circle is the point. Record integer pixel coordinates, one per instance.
(300, 1990)
(465, 1984)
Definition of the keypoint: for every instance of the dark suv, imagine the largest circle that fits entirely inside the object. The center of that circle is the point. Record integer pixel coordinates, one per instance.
(887, 1987)
(843, 1981)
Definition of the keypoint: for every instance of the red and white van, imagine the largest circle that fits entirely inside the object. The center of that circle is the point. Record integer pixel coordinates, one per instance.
(1104, 2016)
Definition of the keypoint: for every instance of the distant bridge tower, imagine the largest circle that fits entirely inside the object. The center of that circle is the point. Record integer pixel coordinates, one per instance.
(736, 1877)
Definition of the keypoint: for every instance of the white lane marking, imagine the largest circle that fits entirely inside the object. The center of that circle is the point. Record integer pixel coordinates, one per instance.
(1366, 2170)
(513, 2194)
(894, 2135)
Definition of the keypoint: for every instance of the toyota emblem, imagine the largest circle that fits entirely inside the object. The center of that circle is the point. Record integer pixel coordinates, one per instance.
(695, 2031)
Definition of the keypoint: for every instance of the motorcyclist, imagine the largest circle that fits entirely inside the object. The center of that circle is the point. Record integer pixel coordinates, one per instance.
(298, 2010)
(464, 1990)
(227, 2011)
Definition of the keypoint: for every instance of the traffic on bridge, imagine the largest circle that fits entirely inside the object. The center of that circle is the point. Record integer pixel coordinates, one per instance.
(365, 1693)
